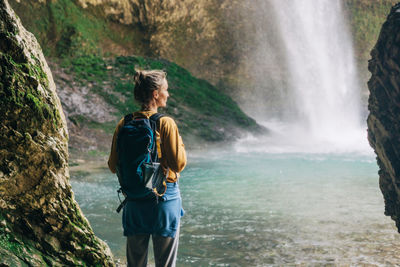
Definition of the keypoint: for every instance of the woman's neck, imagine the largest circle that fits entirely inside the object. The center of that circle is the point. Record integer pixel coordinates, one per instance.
(151, 107)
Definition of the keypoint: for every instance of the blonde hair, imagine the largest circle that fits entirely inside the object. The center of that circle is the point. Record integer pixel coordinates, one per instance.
(147, 81)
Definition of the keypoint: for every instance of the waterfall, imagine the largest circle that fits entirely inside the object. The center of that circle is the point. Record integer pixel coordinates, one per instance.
(323, 91)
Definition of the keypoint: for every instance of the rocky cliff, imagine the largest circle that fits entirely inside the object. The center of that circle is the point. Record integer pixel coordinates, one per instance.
(91, 46)
(191, 33)
(217, 40)
(40, 222)
(384, 107)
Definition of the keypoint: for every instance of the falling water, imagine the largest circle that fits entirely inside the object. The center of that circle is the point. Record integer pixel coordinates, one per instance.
(322, 82)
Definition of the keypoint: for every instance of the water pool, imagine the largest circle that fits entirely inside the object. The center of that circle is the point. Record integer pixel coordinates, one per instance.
(259, 209)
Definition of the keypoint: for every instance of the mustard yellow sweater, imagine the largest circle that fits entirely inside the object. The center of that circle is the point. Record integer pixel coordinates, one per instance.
(170, 148)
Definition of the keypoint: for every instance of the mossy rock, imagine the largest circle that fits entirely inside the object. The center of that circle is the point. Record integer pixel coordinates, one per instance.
(40, 222)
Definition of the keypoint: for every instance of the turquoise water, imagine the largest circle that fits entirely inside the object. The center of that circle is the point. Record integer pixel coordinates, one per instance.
(263, 209)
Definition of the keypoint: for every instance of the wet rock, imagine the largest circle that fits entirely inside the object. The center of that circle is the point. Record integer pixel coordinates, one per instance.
(384, 107)
(39, 217)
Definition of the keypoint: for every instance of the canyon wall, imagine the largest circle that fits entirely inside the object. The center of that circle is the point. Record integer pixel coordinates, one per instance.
(40, 222)
(384, 107)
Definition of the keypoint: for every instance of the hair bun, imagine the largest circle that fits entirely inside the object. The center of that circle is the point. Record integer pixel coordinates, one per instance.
(146, 81)
(138, 77)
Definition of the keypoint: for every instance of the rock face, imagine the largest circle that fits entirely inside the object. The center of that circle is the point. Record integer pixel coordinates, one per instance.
(40, 222)
(217, 40)
(191, 33)
(384, 107)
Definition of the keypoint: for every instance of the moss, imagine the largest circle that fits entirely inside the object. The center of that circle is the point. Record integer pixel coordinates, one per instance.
(41, 109)
(64, 29)
(8, 242)
(87, 67)
(37, 71)
(79, 221)
(20, 92)
(25, 251)
(366, 18)
(74, 31)
(15, 244)
(107, 127)
(81, 121)
(77, 119)
(96, 153)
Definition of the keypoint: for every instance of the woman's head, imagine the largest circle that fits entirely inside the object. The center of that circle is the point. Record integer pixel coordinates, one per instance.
(151, 88)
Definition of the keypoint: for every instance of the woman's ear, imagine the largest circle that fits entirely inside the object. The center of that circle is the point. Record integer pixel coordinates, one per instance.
(155, 94)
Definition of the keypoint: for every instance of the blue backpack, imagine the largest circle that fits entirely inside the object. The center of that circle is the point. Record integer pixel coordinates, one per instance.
(138, 168)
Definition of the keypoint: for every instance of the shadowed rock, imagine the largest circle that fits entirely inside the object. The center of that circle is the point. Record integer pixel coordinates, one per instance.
(40, 222)
(384, 107)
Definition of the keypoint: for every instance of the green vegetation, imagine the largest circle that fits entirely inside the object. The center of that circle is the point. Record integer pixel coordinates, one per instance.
(367, 17)
(65, 30)
(186, 90)
(96, 153)
(9, 242)
(20, 94)
(36, 71)
(201, 110)
(16, 250)
(204, 44)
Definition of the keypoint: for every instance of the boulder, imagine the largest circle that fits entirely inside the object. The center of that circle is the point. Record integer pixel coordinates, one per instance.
(40, 222)
(384, 108)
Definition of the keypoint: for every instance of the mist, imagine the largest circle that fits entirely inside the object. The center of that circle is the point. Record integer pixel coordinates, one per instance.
(304, 85)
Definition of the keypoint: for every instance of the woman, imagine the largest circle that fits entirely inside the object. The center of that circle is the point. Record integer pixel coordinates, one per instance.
(160, 219)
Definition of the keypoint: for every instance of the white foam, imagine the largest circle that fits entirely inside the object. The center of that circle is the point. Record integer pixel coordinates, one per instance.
(323, 83)
(294, 138)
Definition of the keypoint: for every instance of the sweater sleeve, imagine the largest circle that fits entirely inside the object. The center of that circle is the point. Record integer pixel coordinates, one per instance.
(113, 158)
(173, 149)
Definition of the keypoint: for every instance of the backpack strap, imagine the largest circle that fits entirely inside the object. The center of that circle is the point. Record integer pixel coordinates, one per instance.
(155, 123)
(128, 118)
(156, 117)
(155, 120)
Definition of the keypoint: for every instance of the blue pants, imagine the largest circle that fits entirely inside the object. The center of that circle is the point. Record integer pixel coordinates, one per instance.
(150, 217)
